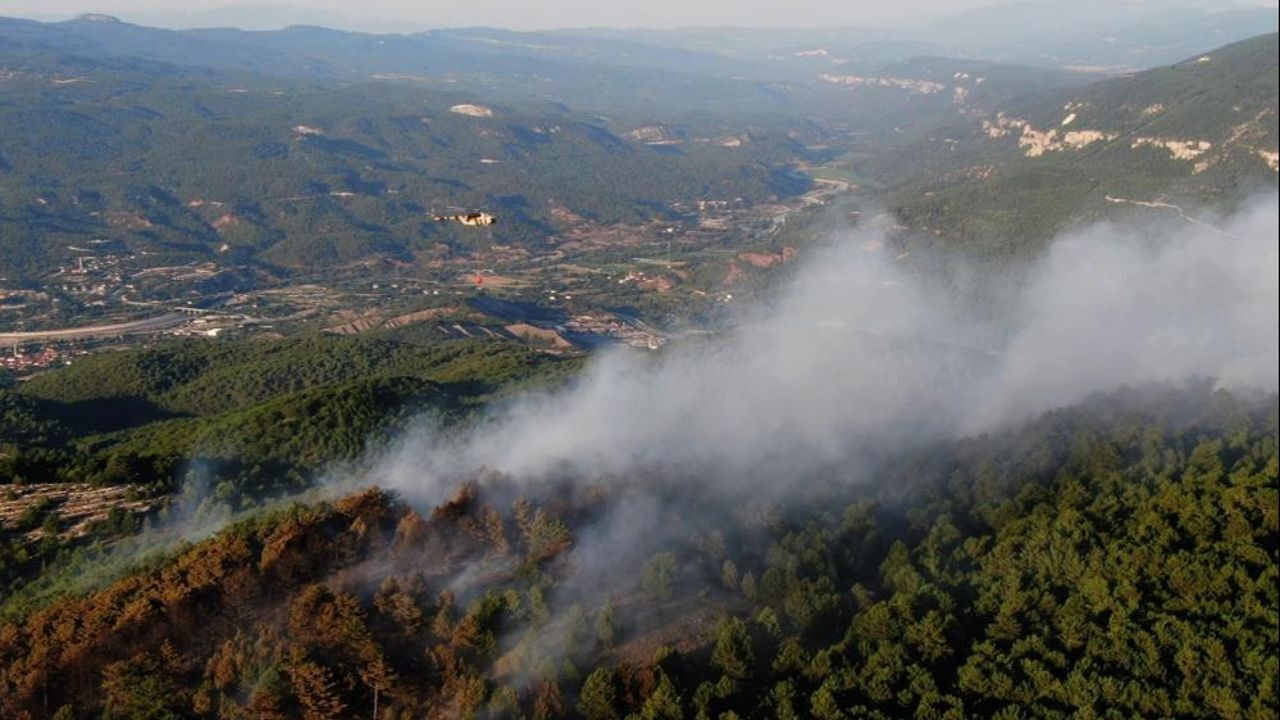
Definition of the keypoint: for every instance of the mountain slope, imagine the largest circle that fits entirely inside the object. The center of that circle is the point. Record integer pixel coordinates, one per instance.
(1201, 132)
(253, 413)
(1115, 558)
(185, 164)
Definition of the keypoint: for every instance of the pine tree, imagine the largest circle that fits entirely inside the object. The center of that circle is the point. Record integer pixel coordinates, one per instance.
(598, 695)
(315, 692)
(664, 702)
(733, 654)
(658, 575)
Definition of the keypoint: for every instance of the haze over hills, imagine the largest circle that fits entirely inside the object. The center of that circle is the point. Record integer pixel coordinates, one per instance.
(603, 374)
(271, 16)
(1197, 133)
(355, 169)
(1122, 36)
(1125, 35)
(1133, 33)
(223, 165)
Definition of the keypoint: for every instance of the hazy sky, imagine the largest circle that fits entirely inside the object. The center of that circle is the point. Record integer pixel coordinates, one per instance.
(556, 13)
(521, 14)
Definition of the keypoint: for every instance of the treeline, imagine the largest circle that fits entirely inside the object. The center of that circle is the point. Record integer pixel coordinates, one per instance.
(1118, 559)
(292, 405)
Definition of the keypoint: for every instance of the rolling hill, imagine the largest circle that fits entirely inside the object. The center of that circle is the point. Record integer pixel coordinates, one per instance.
(1200, 133)
(184, 163)
(1114, 557)
(275, 523)
(319, 149)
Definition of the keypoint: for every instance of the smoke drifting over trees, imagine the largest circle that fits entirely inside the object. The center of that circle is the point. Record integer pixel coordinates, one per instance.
(858, 355)
(804, 518)
(1107, 310)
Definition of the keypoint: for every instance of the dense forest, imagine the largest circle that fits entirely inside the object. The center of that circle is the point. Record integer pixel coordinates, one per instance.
(262, 411)
(236, 423)
(254, 524)
(1114, 559)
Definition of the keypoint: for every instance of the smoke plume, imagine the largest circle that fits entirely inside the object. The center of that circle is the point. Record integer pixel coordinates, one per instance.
(858, 354)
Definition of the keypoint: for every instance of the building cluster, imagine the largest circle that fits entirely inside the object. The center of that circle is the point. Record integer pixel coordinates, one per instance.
(19, 361)
(611, 327)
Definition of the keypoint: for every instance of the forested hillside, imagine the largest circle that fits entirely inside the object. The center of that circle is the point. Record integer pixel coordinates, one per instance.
(791, 311)
(1199, 135)
(259, 418)
(181, 164)
(1111, 560)
(317, 150)
(225, 425)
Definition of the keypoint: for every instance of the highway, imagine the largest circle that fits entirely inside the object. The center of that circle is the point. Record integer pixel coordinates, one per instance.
(159, 323)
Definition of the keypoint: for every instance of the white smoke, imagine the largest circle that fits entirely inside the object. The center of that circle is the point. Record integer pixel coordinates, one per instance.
(858, 355)
(1107, 309)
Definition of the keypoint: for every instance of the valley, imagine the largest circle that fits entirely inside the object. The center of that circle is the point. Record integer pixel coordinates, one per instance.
(588, 270)
(734, 373)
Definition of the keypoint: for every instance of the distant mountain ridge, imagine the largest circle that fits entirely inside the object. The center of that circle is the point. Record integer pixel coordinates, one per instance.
(1039, 32)
(366, 146)
(190, 163)
(1201, 132)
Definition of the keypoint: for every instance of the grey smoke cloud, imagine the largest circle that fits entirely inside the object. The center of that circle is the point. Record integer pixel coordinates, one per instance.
(858, 355)
(1107, 309)
(856, 358)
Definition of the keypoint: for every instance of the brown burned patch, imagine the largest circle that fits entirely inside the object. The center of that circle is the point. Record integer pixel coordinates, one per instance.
(767, 260)
(685, 625)
(657, 283)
